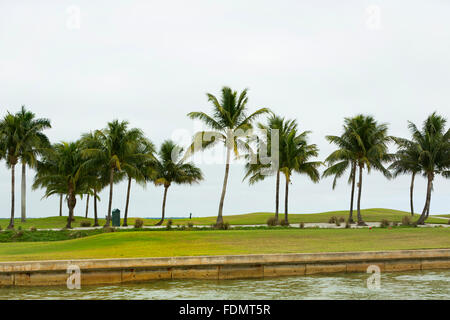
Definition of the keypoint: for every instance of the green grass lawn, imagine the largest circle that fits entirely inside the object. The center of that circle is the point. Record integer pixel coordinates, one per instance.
(369, 215)
(215, 242)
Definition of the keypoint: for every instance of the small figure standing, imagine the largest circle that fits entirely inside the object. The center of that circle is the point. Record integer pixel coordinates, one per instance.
(190, 215)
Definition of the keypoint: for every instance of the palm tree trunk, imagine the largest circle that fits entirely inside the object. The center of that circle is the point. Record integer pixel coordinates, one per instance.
(95, 209)
(277, 195)
(71, 202)
(163, 207)
(87, 205)
(125, 220)
(426, 208)
(111, 183)
(286, 197)
(224, 188)
(23, 194)
(360, 219)
(11, 221)
(411, 194)
(350, 215)
(60, 204)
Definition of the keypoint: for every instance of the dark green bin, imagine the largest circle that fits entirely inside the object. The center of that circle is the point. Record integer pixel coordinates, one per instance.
(116, 218)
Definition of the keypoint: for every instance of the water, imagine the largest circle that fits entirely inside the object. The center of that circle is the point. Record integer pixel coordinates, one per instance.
(405, 285)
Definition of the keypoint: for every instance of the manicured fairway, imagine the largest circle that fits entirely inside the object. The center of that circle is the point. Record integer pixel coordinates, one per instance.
(369, 215)
(185, 243)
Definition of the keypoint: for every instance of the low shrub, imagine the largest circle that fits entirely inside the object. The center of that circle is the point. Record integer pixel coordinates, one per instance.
(406, 221)
(85, 224)
(272, 222)
(448, 222)
(384, 223)
(75, 235)
(222, 226)
(17, 234)
(169, 224)
(190, 225)
(332, 219)
(337, 223)
(19, 228)
(302, 225)
(341, 219)
(108, 229)
(395, 224)
(284, 223)
(33, 229)
(138, 223)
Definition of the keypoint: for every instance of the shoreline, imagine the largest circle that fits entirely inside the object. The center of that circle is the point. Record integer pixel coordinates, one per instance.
(124, 270)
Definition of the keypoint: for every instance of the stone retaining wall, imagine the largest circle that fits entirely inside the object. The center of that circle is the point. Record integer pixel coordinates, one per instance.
(108, 271)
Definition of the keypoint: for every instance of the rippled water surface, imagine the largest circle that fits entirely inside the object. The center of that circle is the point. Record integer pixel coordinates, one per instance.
(411, 285)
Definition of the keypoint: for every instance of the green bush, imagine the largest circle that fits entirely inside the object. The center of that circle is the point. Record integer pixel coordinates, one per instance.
(284, 223)
(190, 225)
(109, 229)
(341, 219)
(272, 222)
(302, 225)
(33, 229)
(169, 224)
(19, 228)
(406, 221)
(337, 223)
(138, 223)
(448, 222)
(221, 226)
(384, 223)
(332, 219)
(85, 224)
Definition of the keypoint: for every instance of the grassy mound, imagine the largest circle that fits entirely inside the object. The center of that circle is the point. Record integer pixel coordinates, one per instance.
(192, 243)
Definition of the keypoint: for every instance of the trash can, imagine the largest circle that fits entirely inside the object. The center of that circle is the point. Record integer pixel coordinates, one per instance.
(116, 218)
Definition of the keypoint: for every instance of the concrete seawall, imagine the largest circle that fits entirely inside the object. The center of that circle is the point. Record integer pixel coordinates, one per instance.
(108, 271)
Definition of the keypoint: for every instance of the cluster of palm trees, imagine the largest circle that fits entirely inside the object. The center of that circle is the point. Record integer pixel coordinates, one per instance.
(102, 158)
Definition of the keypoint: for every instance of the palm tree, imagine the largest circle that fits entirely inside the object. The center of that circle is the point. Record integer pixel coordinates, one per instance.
(433, 143)
(115, 145)
(407, 161)
(171, 168)
(33, 141)
(137, 165)
(11, 142)
(228, 122)
(340, 160)
(295, 153)
(63, 171)
(258, 170)
(370, 140)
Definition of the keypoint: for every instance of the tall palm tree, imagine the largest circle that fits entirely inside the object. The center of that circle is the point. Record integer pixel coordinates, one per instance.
(170, 168)
(276, 127)
(228, 123)
(11, 146)
(407, 161)
(116, 143)
(371, 142)
(295, 153)
(33, 141)
(137, 165)
(62, 171)
(340, 160)
(433, 143)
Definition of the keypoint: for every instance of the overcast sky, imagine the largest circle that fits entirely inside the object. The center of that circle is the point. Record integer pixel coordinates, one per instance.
(152, 62)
